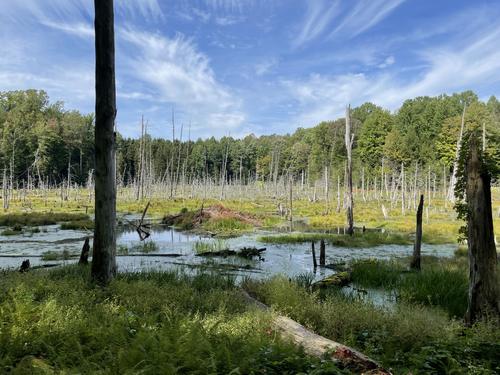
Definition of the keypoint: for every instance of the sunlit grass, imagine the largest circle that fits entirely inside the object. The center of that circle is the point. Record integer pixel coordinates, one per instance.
(409, 338)
(368, 239)
(149, 323)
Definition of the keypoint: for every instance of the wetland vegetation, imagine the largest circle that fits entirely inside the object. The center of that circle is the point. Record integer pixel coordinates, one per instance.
(200, 255)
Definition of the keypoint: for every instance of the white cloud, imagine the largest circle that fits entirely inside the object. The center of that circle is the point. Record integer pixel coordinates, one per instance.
(390, 60)
(179, 74)
(318, 17)
(80, 29)
(468, 63)
(364, 15)
(265, 66)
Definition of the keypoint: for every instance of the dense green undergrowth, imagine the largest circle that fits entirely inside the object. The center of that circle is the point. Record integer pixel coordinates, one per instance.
(149, 323)
(409, 337)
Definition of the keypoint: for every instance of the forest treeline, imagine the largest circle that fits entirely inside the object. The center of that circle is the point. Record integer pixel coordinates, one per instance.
(44, 143)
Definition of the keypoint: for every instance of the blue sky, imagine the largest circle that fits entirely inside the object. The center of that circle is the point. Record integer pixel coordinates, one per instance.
(234, 67)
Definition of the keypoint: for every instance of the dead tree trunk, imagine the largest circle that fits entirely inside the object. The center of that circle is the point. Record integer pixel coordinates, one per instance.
(484, 294)
(453, 178)
(348, 145)
(322, 253)
(313, 251)
(84, 256)
(415, 262)
(104, 250)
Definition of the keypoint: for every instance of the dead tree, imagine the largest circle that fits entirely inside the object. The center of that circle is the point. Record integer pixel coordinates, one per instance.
(484, 294)
(453, 178)
(104, 250)
(348, 145)
(322, 253)
(415, 262)
(313, 251)
(84, 256)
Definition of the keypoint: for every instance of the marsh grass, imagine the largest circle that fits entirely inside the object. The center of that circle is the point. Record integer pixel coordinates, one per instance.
(410, 338)
(226, 226)
(367, 239)
(143, 247)
(56, 255)
(441, 283)
(39, 218)
(85, 224)
(149, 323)
(212, 246)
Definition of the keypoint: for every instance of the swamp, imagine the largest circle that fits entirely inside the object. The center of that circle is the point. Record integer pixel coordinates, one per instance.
(249, 187)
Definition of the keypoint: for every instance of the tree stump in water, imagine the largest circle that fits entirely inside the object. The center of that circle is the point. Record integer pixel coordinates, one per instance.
(322, 253)
(415, 263)
(84, 256)
(315, 265)
(25, 266)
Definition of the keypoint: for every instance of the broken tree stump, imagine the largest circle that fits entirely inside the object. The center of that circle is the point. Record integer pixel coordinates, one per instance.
(322, 255)
(315, 265)
(84, 256)
(25, 266)
(415, 263)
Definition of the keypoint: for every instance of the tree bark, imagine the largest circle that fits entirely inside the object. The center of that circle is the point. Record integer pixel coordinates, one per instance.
(84, 256)
(453, 178)
(415, 263)
(348, 144)
(484, 294)
(313, 251)
(104, 250)
(322, 253)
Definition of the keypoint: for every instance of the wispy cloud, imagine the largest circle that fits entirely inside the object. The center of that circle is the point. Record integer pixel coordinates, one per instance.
(468, 62)
(318, 17)
(181, 75)
(80, 29)
(265, 66)
(364, 15)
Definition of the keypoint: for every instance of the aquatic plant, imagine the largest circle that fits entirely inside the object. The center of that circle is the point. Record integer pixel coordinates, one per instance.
(211, 246)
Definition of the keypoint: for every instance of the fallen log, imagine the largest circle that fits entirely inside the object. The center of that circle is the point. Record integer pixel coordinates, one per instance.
(337, 279)
(250, 252)
(319, 346)
(245, 252)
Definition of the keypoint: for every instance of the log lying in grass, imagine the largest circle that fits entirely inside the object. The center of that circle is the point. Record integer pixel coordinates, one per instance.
(319, 346)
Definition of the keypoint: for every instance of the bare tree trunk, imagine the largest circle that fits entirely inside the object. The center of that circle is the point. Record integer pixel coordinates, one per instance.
(484, 294)
(291, 203)
(415, 262)
(348, 144)
(322, 253)
(403, 187)
(453, 179)
(313, 251)
(104, 248)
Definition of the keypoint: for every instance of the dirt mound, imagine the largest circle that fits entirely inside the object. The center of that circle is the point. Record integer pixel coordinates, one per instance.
(218, 212)
(193, 219)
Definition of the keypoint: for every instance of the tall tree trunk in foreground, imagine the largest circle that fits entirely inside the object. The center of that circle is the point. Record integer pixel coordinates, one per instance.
(104, 250)
(484, 294)
(415, 262)
(348, 145)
